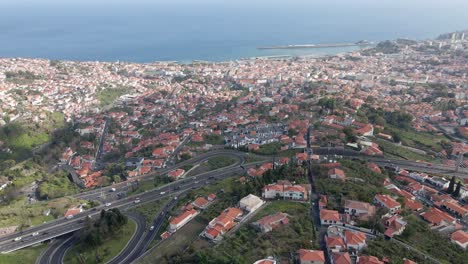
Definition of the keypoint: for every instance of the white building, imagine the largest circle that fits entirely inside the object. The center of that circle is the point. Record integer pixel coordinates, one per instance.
(250, 203)
(179, 221)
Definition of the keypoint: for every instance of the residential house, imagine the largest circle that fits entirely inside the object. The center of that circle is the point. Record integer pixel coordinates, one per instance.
(361, 210)
(250, 203)
(269, 260)
(329, 217)
(437, 218)
(454, 208)
(179, 221)
(222, 224)
(438, 182)
(355, 240)
(201, 203)
(387, 202)
(176, 174)
(308, 256)
(369, 260)
(285, 190)
(336, 173)
(395, 225)
(335, 243)
(340, 258)
(269, 222)
(460, 238)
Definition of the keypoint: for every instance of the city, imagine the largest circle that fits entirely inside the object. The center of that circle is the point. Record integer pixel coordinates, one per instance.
(353, 158)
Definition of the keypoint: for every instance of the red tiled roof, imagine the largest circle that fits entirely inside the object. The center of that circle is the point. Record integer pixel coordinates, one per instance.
(436, 216)
(460, 236)
(369, 260)
(354, 238)
(329, 215)
(388, 201)
(176, 220)
(311, 255)
(341, 258)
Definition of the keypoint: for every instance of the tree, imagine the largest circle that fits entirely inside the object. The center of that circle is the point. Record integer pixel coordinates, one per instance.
(350, 135)
(457, 190)
(451, 186)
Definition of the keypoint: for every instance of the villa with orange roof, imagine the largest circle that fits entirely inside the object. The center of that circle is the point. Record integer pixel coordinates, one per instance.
(270, 222)
(387, 202)
(285, 190)
(329, 217)
(369, 260)
(437, 218)
(179, 221)
(355, 240)
(308, 256)
(335, 243)
(336, 174)
(222, 224)
(361, 210)
(460, 238)
(176, 174)
(340, 258)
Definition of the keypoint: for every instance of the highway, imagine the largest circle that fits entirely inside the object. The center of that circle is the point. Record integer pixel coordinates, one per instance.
(63, 226)
(45, 257)
(121, 187)
(132, 245)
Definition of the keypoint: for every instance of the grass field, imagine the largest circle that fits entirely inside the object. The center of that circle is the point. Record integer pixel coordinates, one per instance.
(110, 248)
(109, 95)
(422, 140)
(19, 213)
(26, 256)
(399, 152)
(220, 162)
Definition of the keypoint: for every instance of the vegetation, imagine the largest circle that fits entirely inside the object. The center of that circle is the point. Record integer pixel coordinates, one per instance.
(248, 245)
(21, 77)
(23, 214)
(21, 138)
(149, 210)
(362, 183)
(220, 162)
(418, 234)
(213, 139)
(56, 185)
(269, 149)
(26, 255)
(392, 150)
(107, 96)
(396, 252)
(106, 250)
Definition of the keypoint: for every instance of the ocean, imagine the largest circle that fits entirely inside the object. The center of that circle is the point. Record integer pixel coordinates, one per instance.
(186, 30)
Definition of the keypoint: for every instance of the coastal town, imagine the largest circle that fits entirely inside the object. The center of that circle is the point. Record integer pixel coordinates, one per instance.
(354, 158)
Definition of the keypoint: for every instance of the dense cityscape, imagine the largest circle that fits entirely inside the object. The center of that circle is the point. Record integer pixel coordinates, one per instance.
(354, 158)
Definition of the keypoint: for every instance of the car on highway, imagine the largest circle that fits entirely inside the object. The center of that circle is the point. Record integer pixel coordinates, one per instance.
(137, 200)
(35, 234)
(17, 239)
(151, 228)
(112, 190)
(196, 182)
(162, 193)
(108, 204)
(69, 217)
